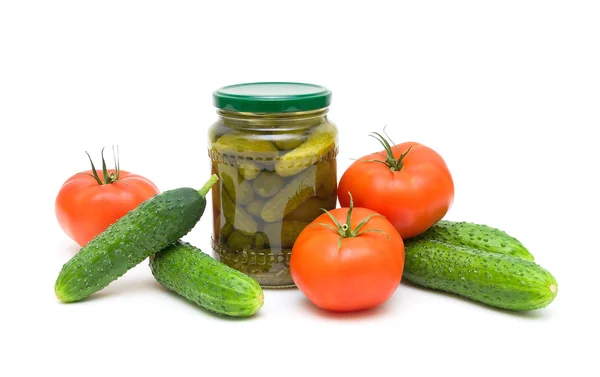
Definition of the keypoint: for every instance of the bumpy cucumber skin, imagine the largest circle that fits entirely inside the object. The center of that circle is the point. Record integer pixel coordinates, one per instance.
(495, 279)
(151, 226)
(234, 145)
(189, 272)
(321, 140)
(477, 236)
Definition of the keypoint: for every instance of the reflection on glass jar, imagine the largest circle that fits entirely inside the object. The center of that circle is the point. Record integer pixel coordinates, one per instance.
(274, 150)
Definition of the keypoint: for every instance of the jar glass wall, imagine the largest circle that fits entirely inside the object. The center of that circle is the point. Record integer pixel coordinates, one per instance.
(277, 170)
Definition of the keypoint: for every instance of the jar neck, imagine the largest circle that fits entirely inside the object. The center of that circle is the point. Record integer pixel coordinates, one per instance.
(267, 121)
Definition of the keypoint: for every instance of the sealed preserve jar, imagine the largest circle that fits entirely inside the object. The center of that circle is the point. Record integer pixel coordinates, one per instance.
(274, 150)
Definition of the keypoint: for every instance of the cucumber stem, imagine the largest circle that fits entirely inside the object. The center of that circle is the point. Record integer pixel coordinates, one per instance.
(208, 185)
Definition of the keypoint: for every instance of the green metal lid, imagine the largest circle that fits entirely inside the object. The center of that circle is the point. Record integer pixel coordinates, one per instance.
(272, 97)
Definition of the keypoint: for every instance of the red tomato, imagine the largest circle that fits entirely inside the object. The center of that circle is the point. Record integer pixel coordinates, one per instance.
(86, 206)
(412, 188)
(361, 272)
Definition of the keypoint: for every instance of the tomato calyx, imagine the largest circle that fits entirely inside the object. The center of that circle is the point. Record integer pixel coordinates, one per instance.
(390, 161)
(345, 230)
(109, 178)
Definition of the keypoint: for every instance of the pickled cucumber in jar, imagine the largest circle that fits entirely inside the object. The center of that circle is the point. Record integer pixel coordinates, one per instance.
(320, 142)
(255, 207)
(238, 188)
(240, 145)
(284, 233)
(237, 215)
(267, 184)
(249, 169)
(275, 154)
(312, 208)
(297, 191)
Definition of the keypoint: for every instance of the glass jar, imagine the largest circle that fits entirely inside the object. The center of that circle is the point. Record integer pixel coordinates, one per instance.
(274, 150)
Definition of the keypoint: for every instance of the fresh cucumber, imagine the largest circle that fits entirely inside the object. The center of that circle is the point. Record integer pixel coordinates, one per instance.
(477, 236)
(143, 231)
(495, 279)
(191, 273)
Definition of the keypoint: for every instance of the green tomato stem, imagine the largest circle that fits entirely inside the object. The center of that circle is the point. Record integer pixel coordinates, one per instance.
(345, 230)
(390, 161)
(108, 177)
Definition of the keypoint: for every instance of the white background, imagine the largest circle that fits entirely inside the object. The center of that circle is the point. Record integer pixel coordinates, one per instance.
(507, 92)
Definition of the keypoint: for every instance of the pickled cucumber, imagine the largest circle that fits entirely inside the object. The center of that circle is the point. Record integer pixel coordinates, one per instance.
(291, 176)
(249, 170)
(237, 216)
(239, 189)
(240, 241)
(326, 179)
(294, 194)
(226, 231)
(261, 240)
(255, 207)
(321, 141)
(267, 184)
(311, 209)
(284, 234)
(242, 145)
(289, 143)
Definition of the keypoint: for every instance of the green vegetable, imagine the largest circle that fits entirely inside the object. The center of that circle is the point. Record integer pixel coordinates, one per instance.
(261, 240)
(240, 241)
(495, 279)
(236, 144)
(267, 184)
(239, 189)
(236, 215)
(294, 194)
(477, 236)
(284, 234)
(326, 179)
(255, 207)
(143, 231)
(311, 209)
(321, 141)
(189, 272)
(226, 231)
(249, 170)
(290, 142)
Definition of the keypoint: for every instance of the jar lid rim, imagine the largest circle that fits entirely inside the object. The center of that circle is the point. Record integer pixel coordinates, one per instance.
(272, 97)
